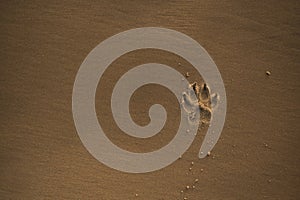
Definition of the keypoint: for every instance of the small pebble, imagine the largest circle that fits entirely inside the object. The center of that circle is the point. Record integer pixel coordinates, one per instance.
(190, 169)
(196, 180)
(187, 187)
(208, 153)
(266, 145)
(136, 195)
(180, 157)
(184, 198)
(181, 191)
(268, 73)
(187, 74)
(192, 163)
(201, 170)
(194, 187)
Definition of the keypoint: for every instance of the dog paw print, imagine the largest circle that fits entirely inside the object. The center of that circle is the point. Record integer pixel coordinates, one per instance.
(202, 99)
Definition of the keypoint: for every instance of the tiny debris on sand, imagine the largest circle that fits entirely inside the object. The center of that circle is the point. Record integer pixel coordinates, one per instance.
(196, 180)
(187, 74)
(266, 145)
(268, 73)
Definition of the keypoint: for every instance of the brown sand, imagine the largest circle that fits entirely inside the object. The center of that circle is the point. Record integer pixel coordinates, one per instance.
(42, 47)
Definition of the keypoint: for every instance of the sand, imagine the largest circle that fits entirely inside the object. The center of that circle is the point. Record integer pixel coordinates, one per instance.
(44, 43)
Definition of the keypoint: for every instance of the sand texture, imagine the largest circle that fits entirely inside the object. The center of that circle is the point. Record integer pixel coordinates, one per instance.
(43, 44)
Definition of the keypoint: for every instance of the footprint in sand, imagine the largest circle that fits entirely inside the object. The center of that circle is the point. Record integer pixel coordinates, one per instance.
(204, 100)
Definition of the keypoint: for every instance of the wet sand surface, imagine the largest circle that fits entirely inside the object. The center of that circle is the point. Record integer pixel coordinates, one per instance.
(44, 43)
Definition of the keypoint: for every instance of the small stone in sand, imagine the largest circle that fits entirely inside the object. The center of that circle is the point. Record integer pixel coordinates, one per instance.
(187, 74)
(187, 187)
(266, 145)
(184, 198)
(136, 195)
(181, 191)
(190, 169)
(194, 187)
(268, 73)
(196, 180)
(192, 163)
(208, 153)
(201, 170)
